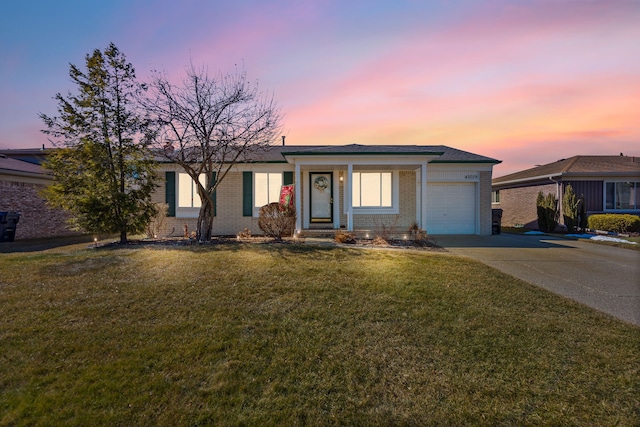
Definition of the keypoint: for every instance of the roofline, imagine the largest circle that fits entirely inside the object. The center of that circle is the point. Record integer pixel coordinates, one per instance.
(565, 175)
(243, 162)
(533, 178)
(495, 162)
(366, 153)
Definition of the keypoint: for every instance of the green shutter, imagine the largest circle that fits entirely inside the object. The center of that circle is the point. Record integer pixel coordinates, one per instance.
(213, 196)
(287, 178)
(247, 194)
(170, 192)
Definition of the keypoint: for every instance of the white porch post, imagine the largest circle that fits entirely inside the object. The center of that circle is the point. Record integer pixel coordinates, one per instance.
(349, 201)
(423, 195)
(298, 197)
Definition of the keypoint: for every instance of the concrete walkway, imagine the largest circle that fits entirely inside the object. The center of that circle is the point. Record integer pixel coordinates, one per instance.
(603, 277)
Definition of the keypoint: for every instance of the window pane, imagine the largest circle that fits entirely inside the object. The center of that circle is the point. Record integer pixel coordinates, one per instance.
(623, 195)
(355, 197)
(386, 189)
(370, 189)
(261, 189)
(185, 185)
(275, 184)
(610, 195)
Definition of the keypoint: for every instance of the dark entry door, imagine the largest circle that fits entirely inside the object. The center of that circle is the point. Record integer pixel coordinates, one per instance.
(321, 200)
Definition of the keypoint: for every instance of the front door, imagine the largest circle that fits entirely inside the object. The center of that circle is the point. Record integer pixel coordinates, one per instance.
(321, 200)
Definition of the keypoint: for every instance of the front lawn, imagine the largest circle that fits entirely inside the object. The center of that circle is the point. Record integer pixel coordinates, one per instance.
(300, 335)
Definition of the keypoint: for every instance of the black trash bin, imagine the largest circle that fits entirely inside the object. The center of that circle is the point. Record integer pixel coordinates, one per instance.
(496, 221)
(8, 221)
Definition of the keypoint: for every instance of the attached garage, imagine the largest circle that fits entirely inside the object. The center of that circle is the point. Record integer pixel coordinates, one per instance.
(451, 208)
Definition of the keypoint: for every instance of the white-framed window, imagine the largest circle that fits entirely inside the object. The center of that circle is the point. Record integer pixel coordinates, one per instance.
(495, 196)
(188, 191)
(622, 195)
(372, 190)
(266, 189)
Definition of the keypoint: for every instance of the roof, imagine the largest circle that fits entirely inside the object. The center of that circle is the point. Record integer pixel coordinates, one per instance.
(13, 165)
(577, 165)
(31, 155)
(446, 154)
(277, 153)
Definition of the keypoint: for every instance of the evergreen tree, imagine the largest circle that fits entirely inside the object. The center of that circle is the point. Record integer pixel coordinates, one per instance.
(547, 210)
(570, 209)
(582, 213)
(542, 217)
(103, 169)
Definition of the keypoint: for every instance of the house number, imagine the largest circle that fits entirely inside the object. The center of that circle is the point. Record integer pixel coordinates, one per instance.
(471, 177)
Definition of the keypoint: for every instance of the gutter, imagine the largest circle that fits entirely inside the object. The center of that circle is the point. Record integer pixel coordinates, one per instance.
(12, 172)
(533, 178)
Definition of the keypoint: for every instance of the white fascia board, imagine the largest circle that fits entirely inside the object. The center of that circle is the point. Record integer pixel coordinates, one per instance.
(364, 159)
(534, 178)
(480, 167)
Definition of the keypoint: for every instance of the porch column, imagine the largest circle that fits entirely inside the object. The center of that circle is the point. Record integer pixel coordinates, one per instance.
(349, 194)
(298, 197)
(423, 195)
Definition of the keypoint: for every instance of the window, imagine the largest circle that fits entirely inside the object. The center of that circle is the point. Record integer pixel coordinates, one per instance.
(372, 190)
(622, 195)
(495, 196)
(188, 191)
(267, 188)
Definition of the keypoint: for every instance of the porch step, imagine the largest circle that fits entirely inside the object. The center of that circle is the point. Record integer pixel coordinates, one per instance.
(318, 232)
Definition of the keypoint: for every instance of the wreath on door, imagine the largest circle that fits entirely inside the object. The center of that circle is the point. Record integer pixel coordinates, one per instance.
(321, 183)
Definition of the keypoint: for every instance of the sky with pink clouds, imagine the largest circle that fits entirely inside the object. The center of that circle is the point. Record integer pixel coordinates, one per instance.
(525, 82)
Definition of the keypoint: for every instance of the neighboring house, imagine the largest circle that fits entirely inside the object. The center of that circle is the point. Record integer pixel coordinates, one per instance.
(353, 187)
(608, 184)
(20, 183)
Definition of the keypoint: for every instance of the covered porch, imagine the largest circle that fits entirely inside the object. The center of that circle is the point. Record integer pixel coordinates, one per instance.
(360, 191)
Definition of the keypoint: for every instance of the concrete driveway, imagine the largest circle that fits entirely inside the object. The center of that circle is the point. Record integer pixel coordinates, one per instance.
(603, 277)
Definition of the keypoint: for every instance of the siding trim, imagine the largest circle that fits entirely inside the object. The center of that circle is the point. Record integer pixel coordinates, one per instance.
(247, 193)
(170, 193)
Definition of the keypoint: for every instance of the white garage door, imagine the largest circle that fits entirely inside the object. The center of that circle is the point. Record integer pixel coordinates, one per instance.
(451, 208)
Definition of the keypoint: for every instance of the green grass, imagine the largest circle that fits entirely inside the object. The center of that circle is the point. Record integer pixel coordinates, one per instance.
(300, 335)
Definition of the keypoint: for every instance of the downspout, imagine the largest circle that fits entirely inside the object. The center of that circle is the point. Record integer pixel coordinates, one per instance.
(559, 198)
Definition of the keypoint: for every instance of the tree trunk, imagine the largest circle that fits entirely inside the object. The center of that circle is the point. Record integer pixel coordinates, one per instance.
(205, 220)
(123, 237)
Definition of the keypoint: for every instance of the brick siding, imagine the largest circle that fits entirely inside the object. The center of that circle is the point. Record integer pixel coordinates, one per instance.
(485, 203)
(519, 205)
(36, 219)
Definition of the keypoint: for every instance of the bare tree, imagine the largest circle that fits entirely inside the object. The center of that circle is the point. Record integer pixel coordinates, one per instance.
(208, 124)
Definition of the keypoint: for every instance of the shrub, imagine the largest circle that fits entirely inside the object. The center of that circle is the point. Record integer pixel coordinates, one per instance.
(382, 230)
(546, 207)
(277, 221)
(244, 234)
(418, 234)
(570, 209)
(345, 237)
(619, 223)
(158, 221)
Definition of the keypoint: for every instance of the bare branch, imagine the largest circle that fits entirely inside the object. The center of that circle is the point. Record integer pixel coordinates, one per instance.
(207, 124)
